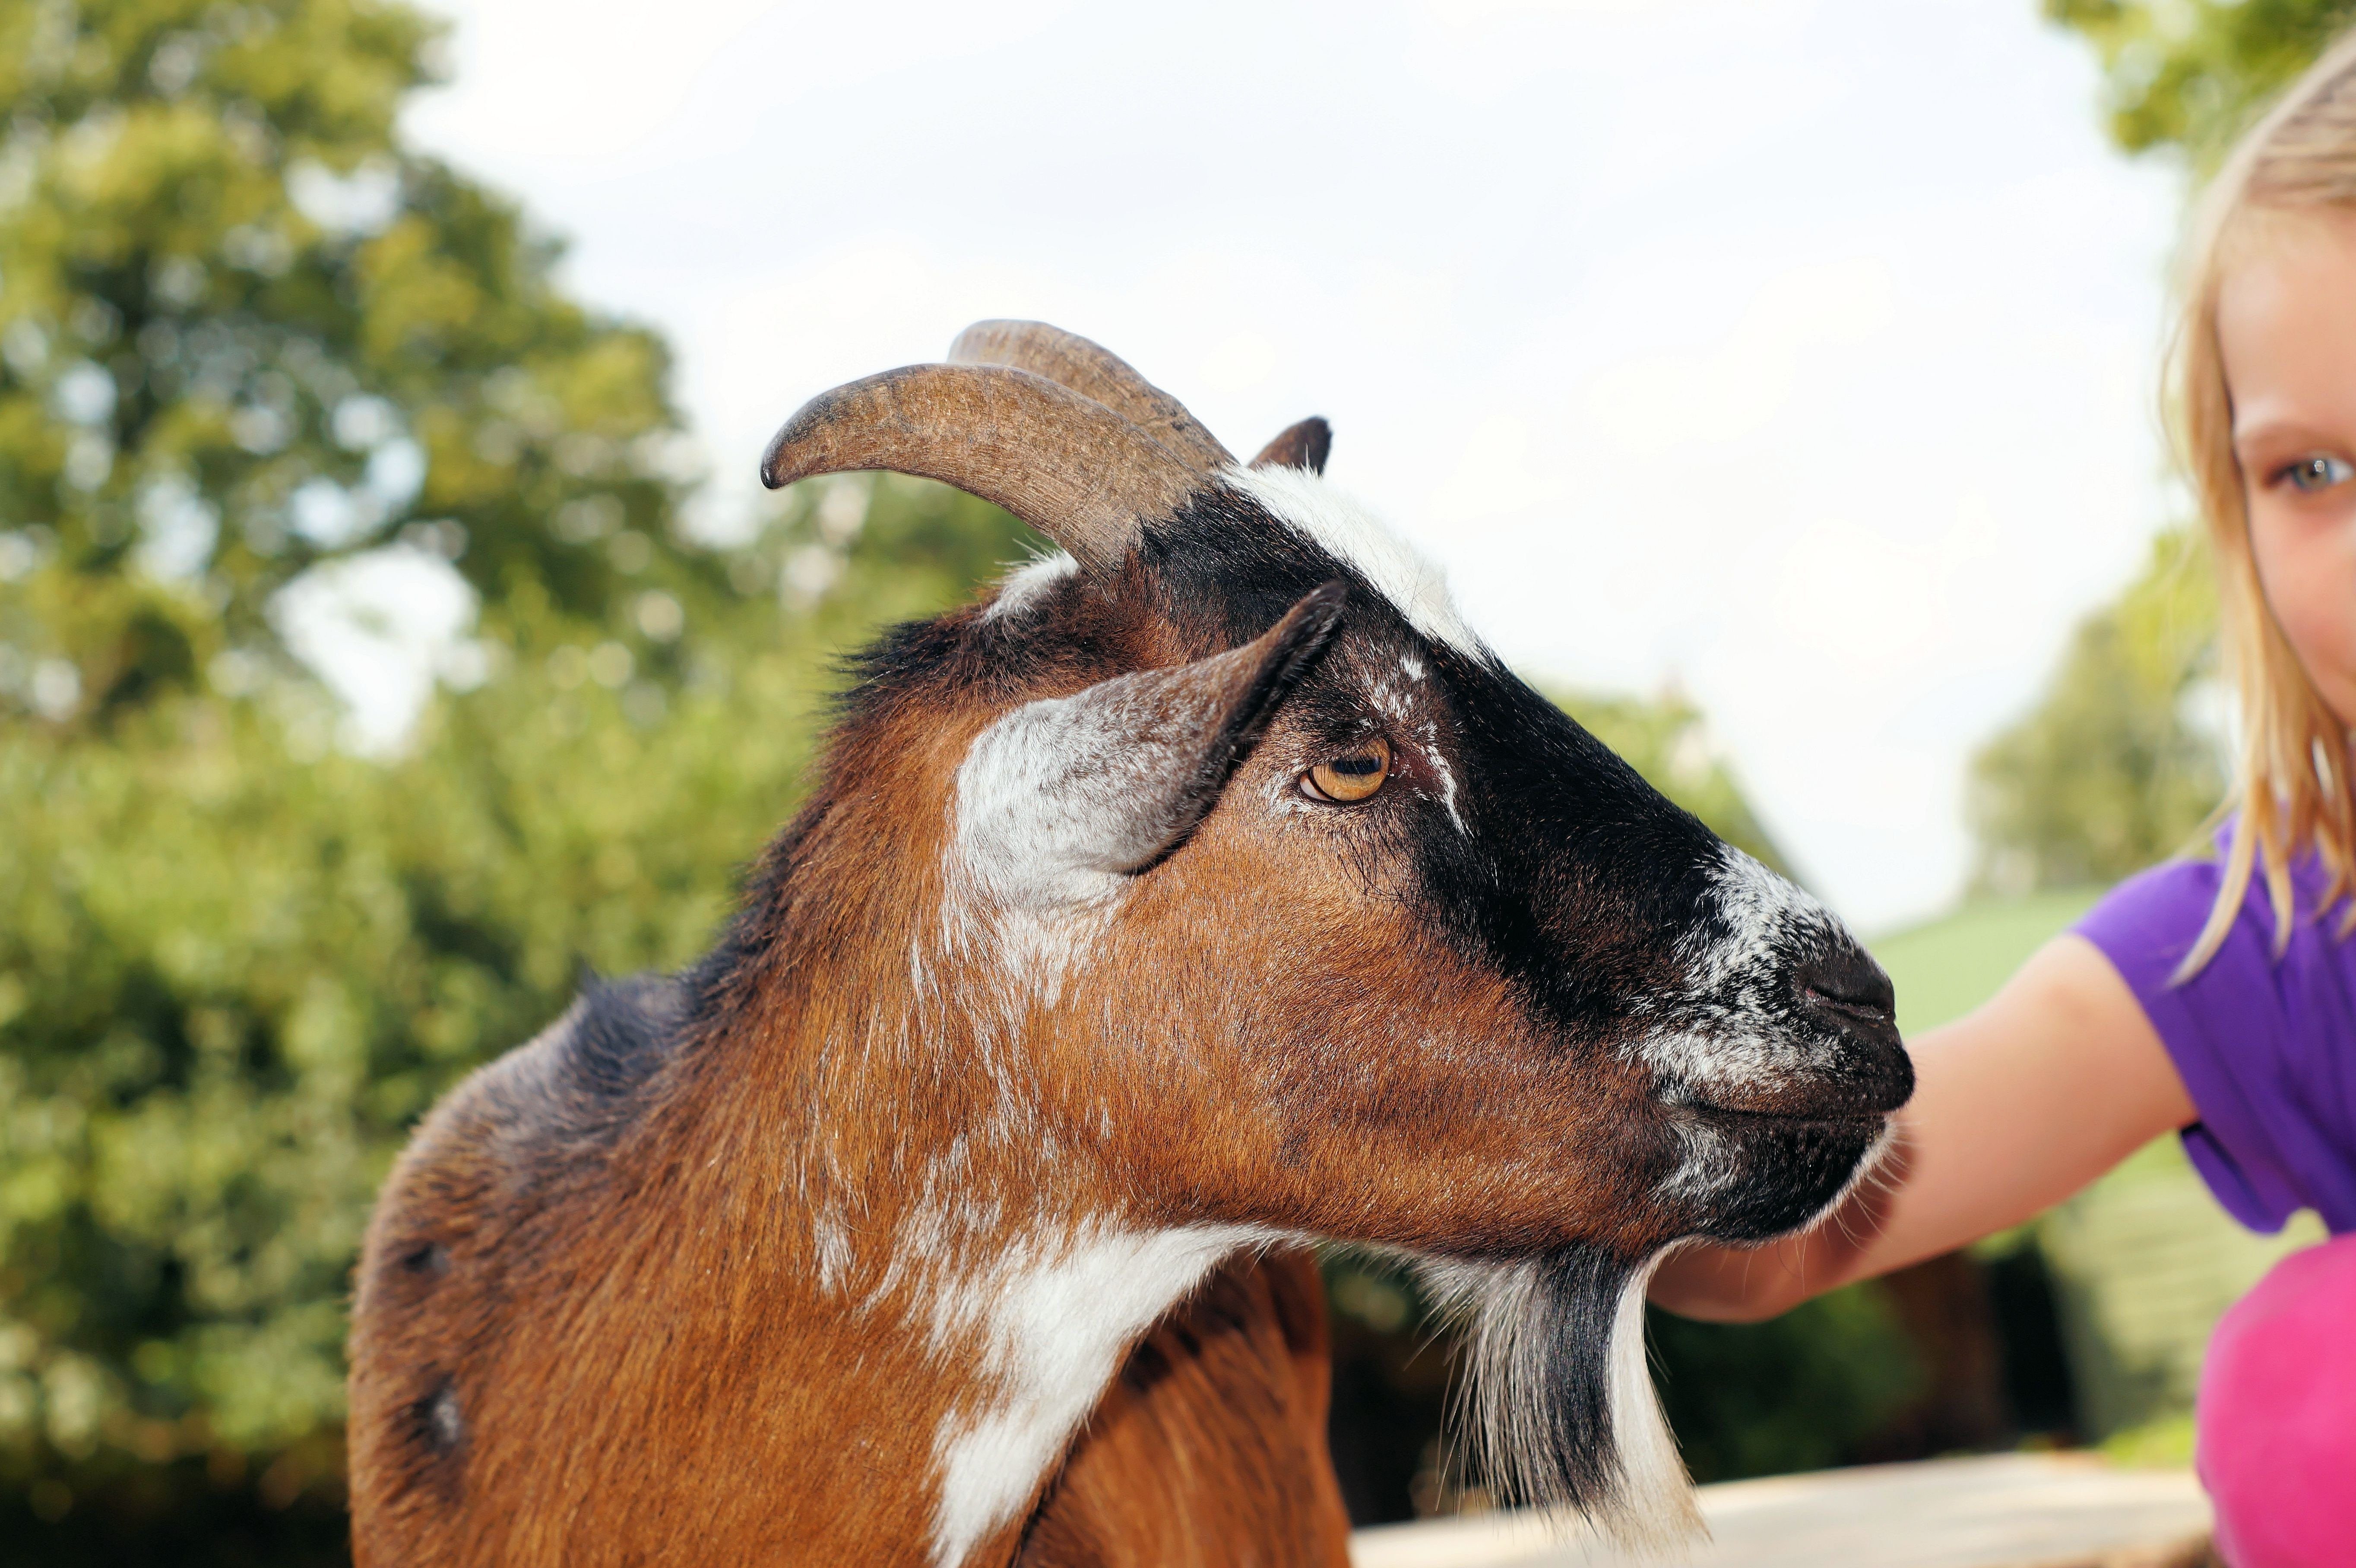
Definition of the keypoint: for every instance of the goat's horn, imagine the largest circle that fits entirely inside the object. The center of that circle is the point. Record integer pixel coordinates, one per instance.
(1093, 371)
(1063, 462)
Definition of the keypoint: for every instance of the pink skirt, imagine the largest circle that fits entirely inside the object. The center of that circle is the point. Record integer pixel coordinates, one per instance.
(2275, 1423)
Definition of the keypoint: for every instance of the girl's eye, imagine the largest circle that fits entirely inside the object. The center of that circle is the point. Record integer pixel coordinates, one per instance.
(1352, 777)
(2316, 473)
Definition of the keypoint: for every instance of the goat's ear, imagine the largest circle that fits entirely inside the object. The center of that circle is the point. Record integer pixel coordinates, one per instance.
(1060, 799)
(1304, 445)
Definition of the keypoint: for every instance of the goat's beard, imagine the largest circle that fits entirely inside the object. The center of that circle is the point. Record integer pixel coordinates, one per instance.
(1559, 1410)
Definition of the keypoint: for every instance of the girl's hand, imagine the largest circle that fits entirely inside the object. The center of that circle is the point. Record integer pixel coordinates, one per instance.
(2016, 1106)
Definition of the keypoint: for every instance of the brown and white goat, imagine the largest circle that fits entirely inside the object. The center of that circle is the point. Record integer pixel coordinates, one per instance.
(1208, 889)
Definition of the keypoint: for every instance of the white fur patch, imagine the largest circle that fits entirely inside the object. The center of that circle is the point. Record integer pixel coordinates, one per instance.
(1758, 906)
(1049, 797)
(1654, 1505)
(1046, 826)
(1708, 1162)
(1025, 583)
(1347, 529)
(1061, 801)
(1055, 1316)
(1732, 1026)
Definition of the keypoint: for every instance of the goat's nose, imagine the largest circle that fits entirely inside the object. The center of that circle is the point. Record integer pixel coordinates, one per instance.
(1842, 982)
(1845, 991)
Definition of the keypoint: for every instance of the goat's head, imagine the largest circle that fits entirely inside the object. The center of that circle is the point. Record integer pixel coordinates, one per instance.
(1273, 901)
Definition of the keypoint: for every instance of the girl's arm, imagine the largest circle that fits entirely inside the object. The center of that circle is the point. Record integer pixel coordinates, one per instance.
(2016, 1106)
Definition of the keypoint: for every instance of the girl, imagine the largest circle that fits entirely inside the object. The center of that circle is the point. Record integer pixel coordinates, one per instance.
(2217, 999)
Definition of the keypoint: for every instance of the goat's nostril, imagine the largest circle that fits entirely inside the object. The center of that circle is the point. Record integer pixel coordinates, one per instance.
(1864, 1011)
(1845, 980)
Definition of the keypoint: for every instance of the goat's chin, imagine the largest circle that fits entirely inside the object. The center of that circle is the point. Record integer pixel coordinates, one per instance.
(1775, 1176)
(1559, 1411)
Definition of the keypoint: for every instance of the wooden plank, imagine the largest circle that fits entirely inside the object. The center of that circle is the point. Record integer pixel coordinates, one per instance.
(2002, 1510)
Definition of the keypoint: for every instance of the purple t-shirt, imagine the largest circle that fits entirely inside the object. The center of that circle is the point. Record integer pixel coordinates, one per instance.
(2266, 1047)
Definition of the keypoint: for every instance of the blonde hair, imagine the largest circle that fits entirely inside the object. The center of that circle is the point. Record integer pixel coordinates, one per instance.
(2292, 787)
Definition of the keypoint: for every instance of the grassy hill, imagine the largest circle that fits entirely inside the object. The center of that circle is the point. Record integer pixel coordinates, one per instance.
(1945, 968)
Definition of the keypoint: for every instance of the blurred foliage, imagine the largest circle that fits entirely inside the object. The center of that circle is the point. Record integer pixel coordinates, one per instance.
(2191, 74)
(244, 331)
(246, 334)
(2123, 755)
(2164, 1444)
(235, 963)
(1797, 1393)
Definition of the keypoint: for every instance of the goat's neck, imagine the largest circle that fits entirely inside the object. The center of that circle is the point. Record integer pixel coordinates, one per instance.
(934, 1219)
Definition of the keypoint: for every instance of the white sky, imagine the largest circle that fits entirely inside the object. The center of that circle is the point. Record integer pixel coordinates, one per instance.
(1797, 351)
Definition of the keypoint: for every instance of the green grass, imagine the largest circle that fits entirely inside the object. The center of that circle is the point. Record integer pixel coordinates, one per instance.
(1946, 967)
(2165, 1444)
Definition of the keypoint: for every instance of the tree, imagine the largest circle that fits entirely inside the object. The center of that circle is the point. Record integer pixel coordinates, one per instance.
(245, 330)
(236, 965)
(2189, 74)
(2122, 759)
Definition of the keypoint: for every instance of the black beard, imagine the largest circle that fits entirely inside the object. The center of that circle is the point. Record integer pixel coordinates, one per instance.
(1558, 1409)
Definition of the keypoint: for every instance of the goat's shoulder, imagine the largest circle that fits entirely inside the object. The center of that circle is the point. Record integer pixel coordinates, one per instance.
(591, 1065)
(472, 1220)
(524, 1128)
(558, 1100)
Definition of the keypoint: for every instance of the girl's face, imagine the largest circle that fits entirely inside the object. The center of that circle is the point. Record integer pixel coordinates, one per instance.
(2286, 333)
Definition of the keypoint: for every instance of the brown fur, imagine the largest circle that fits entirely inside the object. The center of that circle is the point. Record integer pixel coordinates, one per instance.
(1209, 1451)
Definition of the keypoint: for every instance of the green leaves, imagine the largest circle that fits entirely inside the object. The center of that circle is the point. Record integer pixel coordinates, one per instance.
(234, 970)
(2123, 755)
(1798, 1392)
(2190, 74)
(243, 330)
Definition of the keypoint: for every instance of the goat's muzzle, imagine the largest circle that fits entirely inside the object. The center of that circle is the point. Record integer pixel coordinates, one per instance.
(1849, 995)
(1852, 1065)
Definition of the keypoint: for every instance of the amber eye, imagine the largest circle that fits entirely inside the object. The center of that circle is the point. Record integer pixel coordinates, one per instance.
(1352, 777)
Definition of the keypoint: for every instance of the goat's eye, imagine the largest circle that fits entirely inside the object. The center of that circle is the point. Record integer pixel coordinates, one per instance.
(1352, 777)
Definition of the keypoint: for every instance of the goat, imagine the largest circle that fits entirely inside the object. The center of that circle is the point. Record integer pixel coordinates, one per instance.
(1208, 889)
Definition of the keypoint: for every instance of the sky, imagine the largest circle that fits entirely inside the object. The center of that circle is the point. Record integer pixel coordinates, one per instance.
(1796, 354)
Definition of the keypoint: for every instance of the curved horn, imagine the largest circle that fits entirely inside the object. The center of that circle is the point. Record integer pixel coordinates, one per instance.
(1093, 371)
(1064, 464)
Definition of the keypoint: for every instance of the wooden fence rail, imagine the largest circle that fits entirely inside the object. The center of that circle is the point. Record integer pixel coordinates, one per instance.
(2004, 1510)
